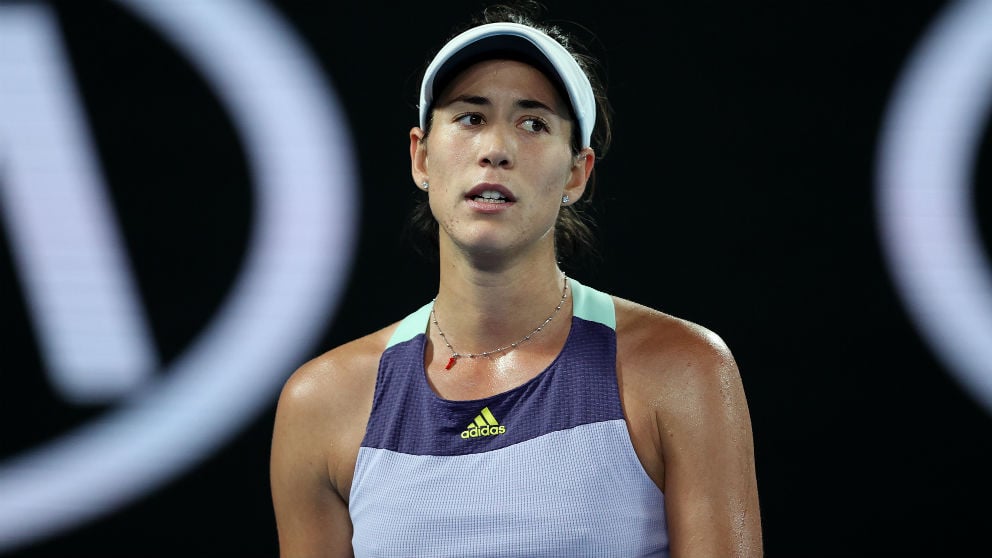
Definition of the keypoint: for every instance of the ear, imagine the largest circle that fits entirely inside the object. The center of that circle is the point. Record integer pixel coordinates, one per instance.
(581, 169)
(418, 157)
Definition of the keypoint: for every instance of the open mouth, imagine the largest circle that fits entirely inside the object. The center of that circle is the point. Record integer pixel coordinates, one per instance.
(490, 196)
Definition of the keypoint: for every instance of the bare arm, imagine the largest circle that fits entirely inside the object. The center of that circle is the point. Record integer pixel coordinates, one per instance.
(711, 495)
(691, 429)
(311, 515)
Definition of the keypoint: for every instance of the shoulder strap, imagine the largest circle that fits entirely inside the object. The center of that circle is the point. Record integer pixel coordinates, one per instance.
(592, 305)
(412, 325)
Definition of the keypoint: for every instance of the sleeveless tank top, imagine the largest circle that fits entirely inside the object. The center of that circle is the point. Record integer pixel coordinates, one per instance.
(544, 469)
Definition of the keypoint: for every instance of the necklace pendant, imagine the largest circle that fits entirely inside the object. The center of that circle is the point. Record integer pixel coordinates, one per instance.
(451, 362)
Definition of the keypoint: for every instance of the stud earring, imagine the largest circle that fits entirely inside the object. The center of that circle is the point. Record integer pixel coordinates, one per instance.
(425, 185)
(564, 199)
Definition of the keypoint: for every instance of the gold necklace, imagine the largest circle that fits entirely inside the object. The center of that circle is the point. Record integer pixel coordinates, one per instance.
(455, 355)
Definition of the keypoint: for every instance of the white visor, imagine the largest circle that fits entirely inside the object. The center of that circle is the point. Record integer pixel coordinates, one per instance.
(547, 54)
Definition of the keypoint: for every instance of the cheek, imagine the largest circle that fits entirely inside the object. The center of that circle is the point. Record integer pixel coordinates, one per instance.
(447, 151)
(556, 176)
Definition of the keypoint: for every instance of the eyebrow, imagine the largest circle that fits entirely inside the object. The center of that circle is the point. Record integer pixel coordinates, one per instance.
(484, 101)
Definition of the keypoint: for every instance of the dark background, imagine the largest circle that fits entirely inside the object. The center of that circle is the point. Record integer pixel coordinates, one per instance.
(738, 194)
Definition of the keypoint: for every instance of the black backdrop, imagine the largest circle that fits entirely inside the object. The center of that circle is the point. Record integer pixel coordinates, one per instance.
(739, 193)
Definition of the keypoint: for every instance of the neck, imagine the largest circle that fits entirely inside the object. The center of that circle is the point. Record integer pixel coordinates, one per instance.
(481, 309)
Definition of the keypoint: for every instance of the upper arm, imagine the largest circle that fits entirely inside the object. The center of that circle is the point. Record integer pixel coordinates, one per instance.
(704, 427)
(311, 516)
(690, 426)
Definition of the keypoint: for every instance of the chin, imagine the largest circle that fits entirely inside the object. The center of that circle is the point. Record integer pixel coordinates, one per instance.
(486, 241)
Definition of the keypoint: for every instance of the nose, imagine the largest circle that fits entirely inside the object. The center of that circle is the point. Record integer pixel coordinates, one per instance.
(497, 146)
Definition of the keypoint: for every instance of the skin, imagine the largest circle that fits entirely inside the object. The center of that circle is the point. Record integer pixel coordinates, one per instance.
(501, 122)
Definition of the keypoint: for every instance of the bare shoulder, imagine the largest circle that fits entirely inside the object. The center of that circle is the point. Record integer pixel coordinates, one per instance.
(325, 405)
(690, 426)
(679, 383)
(320, 421)
(337, 379)
(668, 349)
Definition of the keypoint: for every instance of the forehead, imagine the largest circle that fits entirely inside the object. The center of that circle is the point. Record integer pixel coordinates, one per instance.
(504, 77)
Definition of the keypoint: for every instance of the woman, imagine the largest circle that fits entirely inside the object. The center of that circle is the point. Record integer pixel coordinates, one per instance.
(519, 413)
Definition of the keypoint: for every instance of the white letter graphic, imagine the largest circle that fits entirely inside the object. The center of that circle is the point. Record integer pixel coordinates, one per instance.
(87, 316)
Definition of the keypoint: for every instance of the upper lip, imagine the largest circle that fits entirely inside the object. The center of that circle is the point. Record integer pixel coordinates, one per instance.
(490, 187)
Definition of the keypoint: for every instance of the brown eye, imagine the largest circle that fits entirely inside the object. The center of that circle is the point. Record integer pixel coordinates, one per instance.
(471, 119)
(535, 125)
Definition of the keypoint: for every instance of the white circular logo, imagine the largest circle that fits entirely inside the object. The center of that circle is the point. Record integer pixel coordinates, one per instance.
(931, 135)
(296, 264)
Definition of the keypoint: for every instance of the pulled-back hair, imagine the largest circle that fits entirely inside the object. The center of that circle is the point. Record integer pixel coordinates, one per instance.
(573, 229)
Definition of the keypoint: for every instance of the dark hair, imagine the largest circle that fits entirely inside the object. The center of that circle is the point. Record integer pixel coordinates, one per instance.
(573, 229)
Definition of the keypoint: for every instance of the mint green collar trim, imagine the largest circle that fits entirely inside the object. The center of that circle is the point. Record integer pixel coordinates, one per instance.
(412, 326)
(592, 305)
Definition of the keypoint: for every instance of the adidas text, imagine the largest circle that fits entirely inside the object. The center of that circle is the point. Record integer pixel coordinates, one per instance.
(475, 431)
